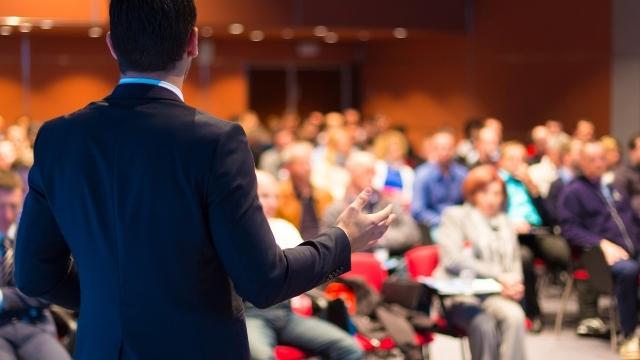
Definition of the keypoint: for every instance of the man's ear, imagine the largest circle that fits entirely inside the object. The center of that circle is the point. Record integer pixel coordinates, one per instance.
(110, 45)
(192, 43)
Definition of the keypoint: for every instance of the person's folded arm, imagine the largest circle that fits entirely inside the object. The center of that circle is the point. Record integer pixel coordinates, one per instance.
(43, 265)
(261, 272)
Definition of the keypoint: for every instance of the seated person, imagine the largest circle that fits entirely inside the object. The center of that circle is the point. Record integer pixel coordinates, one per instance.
(486, 148)
(526, 211)
(590, 322)
(393, 176)
(495, 324)
(27, 330)
(593, 214)
(438, 182)
(301, 203)
(627, 176)
(403, 233)
(278, 324)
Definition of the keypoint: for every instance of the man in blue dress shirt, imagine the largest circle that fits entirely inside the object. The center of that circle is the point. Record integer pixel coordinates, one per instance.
(438, 182)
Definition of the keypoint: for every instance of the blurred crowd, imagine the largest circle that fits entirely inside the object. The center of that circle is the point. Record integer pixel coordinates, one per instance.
(495, 208)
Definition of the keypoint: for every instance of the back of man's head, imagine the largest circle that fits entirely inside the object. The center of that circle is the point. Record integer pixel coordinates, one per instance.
(150, 35)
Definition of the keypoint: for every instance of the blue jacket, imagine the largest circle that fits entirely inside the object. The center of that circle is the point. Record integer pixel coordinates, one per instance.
(156, 204)
(586, 219)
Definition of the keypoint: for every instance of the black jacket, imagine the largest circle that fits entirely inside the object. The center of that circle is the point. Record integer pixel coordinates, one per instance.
(156, 204)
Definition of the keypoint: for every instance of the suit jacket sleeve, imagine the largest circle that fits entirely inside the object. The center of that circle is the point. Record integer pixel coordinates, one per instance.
(261, 272)
(43, 265)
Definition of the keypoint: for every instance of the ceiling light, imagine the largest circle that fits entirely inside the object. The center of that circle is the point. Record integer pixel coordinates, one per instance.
(46, 24)
(400, 33)
(25, 27)
(12, 21)
(5, 30)
(95, 32)
(287, 34)
(320, 31)
(207, 31)
(256, 35)
(331, 38)
(236, 29)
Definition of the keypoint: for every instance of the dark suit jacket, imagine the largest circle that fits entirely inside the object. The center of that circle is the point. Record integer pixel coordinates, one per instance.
(156, 204)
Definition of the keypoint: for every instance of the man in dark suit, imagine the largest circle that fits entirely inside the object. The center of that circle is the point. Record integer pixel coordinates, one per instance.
(142, 211)
(27, 330)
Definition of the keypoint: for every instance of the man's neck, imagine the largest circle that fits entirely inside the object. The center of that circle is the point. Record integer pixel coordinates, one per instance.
(171, 78)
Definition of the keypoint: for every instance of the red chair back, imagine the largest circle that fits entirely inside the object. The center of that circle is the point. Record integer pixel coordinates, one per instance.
(365, 266)
(422, 260)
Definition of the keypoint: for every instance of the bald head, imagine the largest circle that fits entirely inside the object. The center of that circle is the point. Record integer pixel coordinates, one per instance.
(361, 167)
(267, 193)
(593, 162)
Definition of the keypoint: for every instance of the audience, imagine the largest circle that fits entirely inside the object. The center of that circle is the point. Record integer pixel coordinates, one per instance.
(627, 176)
(278, 324)
(301, 203)
(504, 203)
(494, 324)
(438, 183)
(403, 233)
(594, 215)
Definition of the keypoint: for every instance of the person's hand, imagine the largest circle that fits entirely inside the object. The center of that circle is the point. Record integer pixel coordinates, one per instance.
(512, 289)
(361, 228)
(613, 252)
(522, 227)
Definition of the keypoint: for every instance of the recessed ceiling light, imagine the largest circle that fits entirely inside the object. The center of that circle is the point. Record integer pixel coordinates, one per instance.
(320, 31)
(12, 21)
(256, 35)
(5, 30)
(236, 29)
(25, 27)
(207, 31)
(95, 32)
(331, 38)
(288, 34)
(46, 24)
(400, 33)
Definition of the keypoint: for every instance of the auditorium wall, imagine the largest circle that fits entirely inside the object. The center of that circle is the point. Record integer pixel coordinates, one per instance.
(523, 62)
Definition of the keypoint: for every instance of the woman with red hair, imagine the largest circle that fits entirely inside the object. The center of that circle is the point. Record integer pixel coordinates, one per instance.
(476, 239)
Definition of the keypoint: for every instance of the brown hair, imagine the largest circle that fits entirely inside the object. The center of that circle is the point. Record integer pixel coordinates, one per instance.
(478, 179)
(10, 181)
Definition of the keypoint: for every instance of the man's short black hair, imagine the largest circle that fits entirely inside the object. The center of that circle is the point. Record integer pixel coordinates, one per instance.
(633, 141)
(150, 35)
